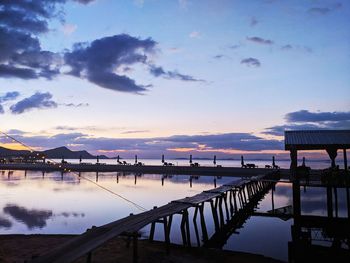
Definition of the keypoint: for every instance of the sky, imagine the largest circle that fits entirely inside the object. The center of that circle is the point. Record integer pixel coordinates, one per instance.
(178, 77)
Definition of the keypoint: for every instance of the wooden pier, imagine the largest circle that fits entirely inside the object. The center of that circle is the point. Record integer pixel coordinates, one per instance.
(150, 169)
(224, 201)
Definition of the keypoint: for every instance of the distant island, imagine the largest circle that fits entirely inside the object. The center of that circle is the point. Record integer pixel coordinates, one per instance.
(56, 153)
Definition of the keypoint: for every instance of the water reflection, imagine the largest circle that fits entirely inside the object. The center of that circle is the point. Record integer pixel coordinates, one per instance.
(277, 226)
(31, 218)
(4, 223)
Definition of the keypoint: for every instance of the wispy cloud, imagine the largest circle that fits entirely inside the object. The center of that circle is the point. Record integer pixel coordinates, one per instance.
(251, 62)
(253, 21)
(160, 72)
(135, 131)
(324, 10)
(260, 40)
(195, 34)
(69, 29)
(76, 105)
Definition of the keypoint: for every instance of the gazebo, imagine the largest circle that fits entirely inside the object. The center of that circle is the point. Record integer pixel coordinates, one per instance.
(329, 140)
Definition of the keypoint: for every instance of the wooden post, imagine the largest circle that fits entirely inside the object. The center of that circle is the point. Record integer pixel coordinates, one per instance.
(348, 200)
(336, 201)
(235, 201)
(345, 160)
(226, 207)
(215, 215)
(203, 226)
(221, 213)
(195, 225)
(294, 162)
(89, 257)
(135, 252)
(329, 202)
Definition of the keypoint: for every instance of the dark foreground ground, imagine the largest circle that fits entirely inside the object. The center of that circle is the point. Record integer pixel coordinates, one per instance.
(18, 248)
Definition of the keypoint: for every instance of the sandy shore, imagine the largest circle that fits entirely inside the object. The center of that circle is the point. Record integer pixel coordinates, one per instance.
(18, 248)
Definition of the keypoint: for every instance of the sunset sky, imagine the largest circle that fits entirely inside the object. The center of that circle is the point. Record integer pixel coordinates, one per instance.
(172, 76)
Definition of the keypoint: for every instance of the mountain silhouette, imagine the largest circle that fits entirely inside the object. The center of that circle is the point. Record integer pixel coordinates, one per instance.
(56, 153)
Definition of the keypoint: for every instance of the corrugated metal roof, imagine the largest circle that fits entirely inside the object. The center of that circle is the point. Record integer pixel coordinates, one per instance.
(312, 138)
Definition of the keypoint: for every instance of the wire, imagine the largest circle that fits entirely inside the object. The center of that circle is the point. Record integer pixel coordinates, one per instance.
(75, 173)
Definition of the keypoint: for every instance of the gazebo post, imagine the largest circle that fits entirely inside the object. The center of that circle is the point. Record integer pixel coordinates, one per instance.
(345, 160)
(332, 152)
(294, 161)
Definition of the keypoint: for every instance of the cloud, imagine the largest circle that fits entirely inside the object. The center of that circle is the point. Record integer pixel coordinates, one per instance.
(21, 56)
(278, 130)
(7, 97)
(76, 105)
(69, 29)
(225, 143)
(235, 46)
(98, 61)
(324, 10)
(12, 95)
(260, 40)
(135, 131)
(287, 47)
(307, 116)
(253, 21)
(85, 2)
(251, 62)
(306, 120)
(31, 218)
(195, 34)
(36, 101)
(159, 71)
(4, 223)
(219, 56)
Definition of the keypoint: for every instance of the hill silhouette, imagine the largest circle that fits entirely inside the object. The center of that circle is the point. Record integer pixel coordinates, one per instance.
(56, 153)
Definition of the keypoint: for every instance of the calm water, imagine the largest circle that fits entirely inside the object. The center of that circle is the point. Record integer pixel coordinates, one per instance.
(50, 204)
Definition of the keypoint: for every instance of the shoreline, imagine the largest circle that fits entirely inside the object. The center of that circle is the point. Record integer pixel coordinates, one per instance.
(19, 248)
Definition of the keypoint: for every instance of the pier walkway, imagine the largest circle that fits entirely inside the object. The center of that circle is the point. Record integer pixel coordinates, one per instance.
(153, 169)
(225, 201)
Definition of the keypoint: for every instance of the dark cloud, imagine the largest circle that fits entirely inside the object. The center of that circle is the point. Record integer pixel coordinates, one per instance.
(36, 101)
(278, 130)
(21, 22)
(4, 223)
(253, 21)
(159, 71)
(12, 95)
(21, 55)
(306, 120)
(7, 97)
(99, 60)
(31, 218)
(260, 40)
(251, 62)
(307, 116)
